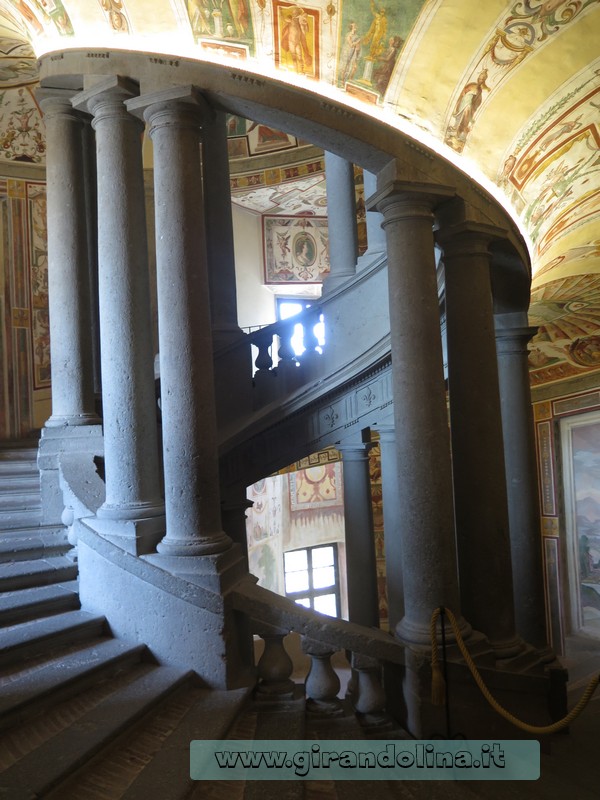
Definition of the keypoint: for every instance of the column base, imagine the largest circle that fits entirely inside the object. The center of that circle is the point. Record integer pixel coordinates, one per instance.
(533, 693)
(72, 420)
(508, 648)
(137, 536)
(194, 546)
(415, 633)
(217, 572)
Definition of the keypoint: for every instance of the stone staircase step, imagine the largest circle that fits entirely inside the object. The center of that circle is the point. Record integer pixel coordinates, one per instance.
(22, 482)
(32, 543)
(28, 639)
(46, 767)
(21, 500)
(167, 774)
(36, 572)
(28, 695)
(11, 518)
(38, 601)
(14, 470)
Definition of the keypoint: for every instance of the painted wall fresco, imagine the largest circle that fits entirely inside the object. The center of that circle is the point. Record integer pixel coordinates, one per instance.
(24, 335)
(372, 37)
(299, 508)
(41, 16)
(515, 37)
(296, 249)
(223, 26)
(568, 341)
(553, 172)
(303, 506)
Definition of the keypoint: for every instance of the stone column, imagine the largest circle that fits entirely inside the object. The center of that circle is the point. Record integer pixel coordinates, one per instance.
(73, 425)
(361, 570)
(189, 426)
(477, 445)
(424, 486)
(68, 279)
(219, 230)
(512, 335)
(133, 511)
(392, 525)
(341, 216)
(375, 234)
(237, 361)
(91, 199)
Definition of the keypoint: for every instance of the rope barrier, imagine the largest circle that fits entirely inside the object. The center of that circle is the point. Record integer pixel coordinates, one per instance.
(438, 684)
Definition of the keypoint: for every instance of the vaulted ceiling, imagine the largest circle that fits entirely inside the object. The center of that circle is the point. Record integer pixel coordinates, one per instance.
(508, 90)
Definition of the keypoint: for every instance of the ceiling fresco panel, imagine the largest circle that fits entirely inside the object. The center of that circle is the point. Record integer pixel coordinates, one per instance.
(518, 34)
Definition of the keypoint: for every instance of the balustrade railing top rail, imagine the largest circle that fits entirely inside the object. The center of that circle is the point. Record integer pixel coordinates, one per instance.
(283, 614)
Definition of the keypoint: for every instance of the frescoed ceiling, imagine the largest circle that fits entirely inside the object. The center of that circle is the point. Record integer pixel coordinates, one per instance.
(509, 90)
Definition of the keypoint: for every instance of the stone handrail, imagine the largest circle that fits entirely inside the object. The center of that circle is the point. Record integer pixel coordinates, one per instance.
(283, 614)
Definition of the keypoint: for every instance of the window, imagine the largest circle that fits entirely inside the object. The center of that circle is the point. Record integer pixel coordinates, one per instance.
(312, 579)
(289, 308)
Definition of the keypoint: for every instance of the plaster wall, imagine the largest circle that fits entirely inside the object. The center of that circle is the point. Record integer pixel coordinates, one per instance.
(256, 304)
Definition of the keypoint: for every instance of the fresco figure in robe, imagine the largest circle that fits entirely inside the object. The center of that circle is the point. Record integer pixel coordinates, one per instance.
(350, 54)
(386, 63)
(467, 104)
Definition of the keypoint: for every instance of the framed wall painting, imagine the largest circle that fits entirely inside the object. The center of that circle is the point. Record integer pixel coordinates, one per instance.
(296, 249)
(580, 445)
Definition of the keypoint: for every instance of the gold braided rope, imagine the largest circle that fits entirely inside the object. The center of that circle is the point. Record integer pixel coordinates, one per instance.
(438, 683)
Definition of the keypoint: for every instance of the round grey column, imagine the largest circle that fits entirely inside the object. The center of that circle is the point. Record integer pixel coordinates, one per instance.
(375, 233)
(130, 434)
(219, 230)
(68, 275)
(341, 220)
(421, 422)
(361, 569)
(185, 343)
(392, 525)
(480, 500)
(512, 337)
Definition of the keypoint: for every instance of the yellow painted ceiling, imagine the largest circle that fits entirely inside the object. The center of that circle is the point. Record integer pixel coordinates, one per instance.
(509, 89)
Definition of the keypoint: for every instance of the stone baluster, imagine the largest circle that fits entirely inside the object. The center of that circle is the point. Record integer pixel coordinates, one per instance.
(369, 697)
(274, 666)
(189, 424)
(285, 352)
(341, 221)
(133, 511)
(477, 446)
(322, 681)
(263, 362)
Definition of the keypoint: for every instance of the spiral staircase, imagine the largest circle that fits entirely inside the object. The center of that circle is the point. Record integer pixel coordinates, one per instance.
(84, 714)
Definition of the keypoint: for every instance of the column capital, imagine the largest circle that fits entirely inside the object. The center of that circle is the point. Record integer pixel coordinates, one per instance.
(106, 99)
(468, 238)
(184, 106)
(57, 103)
(408, 199)
(355, 451)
